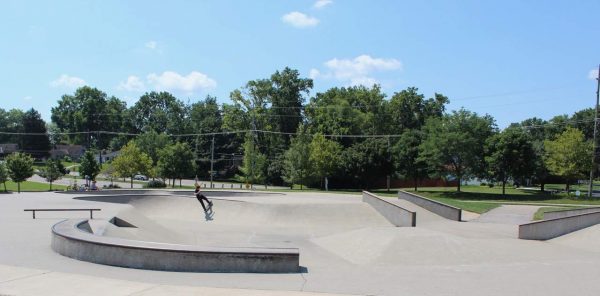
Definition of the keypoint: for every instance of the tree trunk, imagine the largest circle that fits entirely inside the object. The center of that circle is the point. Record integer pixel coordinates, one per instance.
(50, 185)
(179, 182)
(542, 186)
(131, 180)
(18, 187)
(567, 188)
(458, 186)
(503, 187)
(416, 179)
(5, 186)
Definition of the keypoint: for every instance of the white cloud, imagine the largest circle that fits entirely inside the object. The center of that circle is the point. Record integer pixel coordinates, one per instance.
(357, 71)
(172, 81)
(151, 44)
(314, 74)
(593, 74)
(133, 83)
(299, 20)
(27, 98)
(322, 3)
(68, 81)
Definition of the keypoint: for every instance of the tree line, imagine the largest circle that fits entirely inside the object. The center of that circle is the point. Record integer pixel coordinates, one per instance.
(273, 132)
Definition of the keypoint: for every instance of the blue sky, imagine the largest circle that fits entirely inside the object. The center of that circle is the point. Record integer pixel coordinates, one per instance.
(510, 59)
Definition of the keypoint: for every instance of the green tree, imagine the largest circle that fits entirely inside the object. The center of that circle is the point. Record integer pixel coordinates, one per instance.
(324, 157)
(53, 170)
(132, 161)
(296, 159)
(569, 155)
(406, 156)
(454, 144)
(151, 143)
(87, 110)
(409, 109)
(286, 94)
(367, 161)
(89, 167)
(11, 121)
(3, 175)
(109, 171)
(159, 111)
(20, 167)
(254, 163)
(176, 161)
(37, 144)
(510, 154)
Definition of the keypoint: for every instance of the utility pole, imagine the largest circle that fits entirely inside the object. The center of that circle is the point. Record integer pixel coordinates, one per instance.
(212, 160)
(591, 188)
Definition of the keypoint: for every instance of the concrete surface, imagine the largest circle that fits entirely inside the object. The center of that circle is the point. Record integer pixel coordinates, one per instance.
(346, 247)
(394, 213)
(547, 229)
(444, 210)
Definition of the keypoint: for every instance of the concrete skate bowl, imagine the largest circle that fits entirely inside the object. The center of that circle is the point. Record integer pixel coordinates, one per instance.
(245, 232)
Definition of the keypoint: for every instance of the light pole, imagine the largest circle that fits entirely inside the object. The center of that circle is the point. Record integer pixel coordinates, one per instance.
(591, 188)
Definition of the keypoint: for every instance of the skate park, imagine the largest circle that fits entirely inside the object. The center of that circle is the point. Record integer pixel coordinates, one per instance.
(334, 243)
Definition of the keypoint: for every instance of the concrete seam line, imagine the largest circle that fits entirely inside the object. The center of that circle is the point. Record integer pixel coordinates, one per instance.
(26, 277)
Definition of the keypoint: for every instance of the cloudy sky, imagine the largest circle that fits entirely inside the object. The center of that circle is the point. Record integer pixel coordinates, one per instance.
(510, 59)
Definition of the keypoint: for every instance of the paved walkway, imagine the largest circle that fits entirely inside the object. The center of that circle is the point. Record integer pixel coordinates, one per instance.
(27, 281)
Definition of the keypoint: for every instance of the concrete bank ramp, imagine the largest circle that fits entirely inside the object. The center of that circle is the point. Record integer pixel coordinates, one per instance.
(421, 246)
(509, 214)
(145, 229)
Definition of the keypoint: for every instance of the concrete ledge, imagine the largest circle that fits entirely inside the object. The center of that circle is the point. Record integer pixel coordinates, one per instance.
(567, 213)
(72, 238)
(547, 229)
(441, 209)
(393, 213)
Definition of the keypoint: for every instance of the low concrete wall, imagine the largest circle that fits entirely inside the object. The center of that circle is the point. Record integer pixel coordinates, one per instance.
(393, 213)
(69, 238)
(567, 213)
(444, 210)
(547, 229)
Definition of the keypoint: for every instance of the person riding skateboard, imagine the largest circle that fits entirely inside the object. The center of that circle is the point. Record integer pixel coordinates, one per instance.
(201, 198)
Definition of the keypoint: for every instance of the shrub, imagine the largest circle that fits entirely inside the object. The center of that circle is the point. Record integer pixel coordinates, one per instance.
(491, 185)
(111, 186)
(155, 184)
(482, 184)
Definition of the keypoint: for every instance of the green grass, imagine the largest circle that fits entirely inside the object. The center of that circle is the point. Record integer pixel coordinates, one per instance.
(31, 186)
(539, 215)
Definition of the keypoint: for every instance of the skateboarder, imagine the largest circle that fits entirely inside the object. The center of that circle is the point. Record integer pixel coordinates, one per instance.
(201, 198)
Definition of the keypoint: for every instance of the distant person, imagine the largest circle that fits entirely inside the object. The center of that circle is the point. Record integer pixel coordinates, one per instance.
(201, 198)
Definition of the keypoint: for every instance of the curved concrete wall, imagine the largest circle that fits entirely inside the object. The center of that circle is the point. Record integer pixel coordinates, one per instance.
(567, 213)
(393, 213)
(70, 238)
(547, 229)
(444, 210)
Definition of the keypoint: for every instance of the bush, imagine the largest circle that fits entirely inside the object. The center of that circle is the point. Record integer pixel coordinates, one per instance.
(111, 186)
(482, 184)
(491, 185)
(155, 184)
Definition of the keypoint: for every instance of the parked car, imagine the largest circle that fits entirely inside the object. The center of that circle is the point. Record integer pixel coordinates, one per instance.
(140, 177)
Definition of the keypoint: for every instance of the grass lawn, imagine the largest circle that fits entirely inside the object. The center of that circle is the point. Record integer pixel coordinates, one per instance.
(31, 186)
(480, 199)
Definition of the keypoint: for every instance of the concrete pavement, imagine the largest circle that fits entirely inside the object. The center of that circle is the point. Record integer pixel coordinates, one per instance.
(345, 248)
